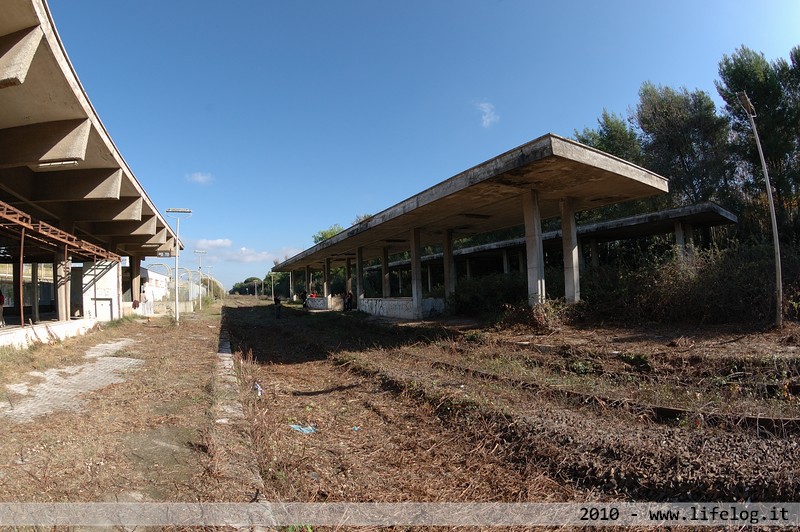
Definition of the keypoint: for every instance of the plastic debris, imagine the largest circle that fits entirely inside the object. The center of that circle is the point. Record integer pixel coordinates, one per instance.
(258, 389)
(356, 428)
(304, 429)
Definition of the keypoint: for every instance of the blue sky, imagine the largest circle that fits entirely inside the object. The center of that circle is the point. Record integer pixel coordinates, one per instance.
(274, 120)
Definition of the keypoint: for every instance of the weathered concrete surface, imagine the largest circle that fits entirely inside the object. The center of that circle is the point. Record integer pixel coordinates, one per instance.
(61, 388)
(489, 196)
(20, 337)
(400, 307)
(55, 154)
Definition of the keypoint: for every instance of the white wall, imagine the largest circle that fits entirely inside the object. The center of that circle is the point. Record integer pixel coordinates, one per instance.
(400, 307)
(323, 303)
(158, 281)
(102, 299)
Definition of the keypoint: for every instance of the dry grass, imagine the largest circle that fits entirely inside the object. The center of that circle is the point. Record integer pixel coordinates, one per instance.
(145, 439)
(370, 443)
(516, 415)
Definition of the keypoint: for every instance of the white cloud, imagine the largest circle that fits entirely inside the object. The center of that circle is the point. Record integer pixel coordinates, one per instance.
(200, 178)
(249, 255)
(488, 116)
(217, 243)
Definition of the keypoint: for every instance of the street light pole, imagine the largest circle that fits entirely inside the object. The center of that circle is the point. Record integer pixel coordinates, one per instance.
(747, 105)
(177, 213)
(200, 254)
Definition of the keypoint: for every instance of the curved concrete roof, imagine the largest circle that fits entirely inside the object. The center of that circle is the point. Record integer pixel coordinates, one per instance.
(58, 163)
(488, 197)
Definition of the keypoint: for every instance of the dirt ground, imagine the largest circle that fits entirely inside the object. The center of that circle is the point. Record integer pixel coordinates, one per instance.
(448, 411)
(346, 407)
(123, 414)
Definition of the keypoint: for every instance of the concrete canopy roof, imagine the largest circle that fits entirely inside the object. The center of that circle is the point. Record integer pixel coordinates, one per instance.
(488, 197)
(58, 163)
(701, 215)
(654, 223)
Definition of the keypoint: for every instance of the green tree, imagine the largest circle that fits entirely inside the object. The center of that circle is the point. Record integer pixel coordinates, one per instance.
(614, 135)
(684, 139)
(246, 286)
(617, 136)
(325, 234)
(774, 90)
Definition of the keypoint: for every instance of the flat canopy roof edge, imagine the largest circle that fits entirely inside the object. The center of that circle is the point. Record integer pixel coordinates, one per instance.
(73, 79)
(488, 196)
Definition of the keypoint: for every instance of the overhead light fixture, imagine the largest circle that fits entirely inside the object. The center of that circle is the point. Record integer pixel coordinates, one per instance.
(54, 165)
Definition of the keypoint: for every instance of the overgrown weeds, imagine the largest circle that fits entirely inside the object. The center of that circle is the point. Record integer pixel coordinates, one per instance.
(732, 285)
(716, 285)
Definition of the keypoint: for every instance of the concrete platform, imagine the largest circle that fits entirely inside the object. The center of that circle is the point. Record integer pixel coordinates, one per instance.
(45, 332)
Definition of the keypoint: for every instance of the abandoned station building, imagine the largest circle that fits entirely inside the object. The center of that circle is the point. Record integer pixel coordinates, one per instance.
(71, 211)
(546, 178)
(75, 223)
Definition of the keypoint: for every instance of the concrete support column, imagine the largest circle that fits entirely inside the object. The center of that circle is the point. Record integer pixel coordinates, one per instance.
(684, 239)
(469, 268)
(65, 302)
(680, 239)
(291, 286)
(62, 281)
(533, 247)
(430, 278)
(348, 270)
(385, 284)
(19, 300)
(506, 263)
(308, 280)
(35, 292)
(416, 273)
(118, 303)
(136, 278)
(54, 267)
(359, 276)
(688, 230)
(326, 281)
(595, 253)
(449, 265)
(569, 234)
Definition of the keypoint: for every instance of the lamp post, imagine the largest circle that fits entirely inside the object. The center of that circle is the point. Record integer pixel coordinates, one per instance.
(200, 254)
(177, 213)
(747, 105)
